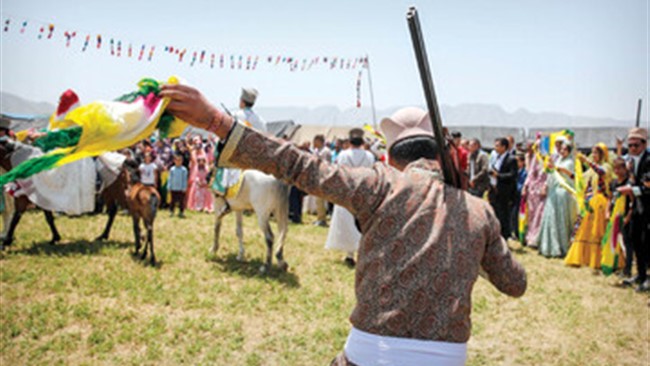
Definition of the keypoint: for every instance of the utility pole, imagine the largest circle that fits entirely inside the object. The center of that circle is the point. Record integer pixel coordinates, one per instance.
(372, 95)
(638, 113)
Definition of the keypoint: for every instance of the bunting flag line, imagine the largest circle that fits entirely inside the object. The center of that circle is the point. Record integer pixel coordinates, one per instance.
(23, 26)
(244, 62)
(90, 130)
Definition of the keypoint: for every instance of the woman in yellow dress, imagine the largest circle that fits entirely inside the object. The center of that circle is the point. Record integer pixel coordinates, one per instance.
(585, 248)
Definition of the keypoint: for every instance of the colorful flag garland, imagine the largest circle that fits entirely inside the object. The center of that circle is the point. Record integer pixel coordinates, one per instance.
(249, 62)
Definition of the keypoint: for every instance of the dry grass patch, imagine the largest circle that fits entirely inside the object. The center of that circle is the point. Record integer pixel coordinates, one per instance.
(83, 302)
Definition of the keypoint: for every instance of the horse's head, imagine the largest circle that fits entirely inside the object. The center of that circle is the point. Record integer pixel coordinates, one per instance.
(7, 147)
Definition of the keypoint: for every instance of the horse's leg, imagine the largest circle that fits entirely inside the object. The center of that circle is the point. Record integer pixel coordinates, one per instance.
(220, 210)
(9, 239)
(146, 242)
(283, 224)
(240, 234)
(263, 222)
(149, 220)
(136, 232)
(49, 217)
(217, 232)
(112, 212)
(150, 242)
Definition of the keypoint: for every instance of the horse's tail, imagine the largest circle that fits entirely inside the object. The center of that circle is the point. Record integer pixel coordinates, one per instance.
(153, 205)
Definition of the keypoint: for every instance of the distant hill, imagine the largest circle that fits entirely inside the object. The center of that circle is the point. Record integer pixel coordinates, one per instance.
(10, 103)
(484, 120)
(460, 115)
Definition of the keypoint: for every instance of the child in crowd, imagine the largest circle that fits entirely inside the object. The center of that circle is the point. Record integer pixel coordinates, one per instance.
(522, 174)
(177, 185)
(148, 171)
(622, 179)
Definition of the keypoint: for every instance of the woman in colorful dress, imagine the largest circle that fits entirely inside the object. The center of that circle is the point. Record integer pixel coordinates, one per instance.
(585, 249)
(199, 196)
(534, 195)
(560, 208)
(203, 200)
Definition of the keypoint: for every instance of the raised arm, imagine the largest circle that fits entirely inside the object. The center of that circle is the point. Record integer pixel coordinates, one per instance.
(360, 190)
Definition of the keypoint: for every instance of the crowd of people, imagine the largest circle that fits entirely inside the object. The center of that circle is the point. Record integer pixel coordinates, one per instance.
(513, 177)
(555, 199)
(534, 196)
(568, 198)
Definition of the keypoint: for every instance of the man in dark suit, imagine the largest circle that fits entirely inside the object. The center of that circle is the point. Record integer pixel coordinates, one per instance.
(639, 162)
(503, 180)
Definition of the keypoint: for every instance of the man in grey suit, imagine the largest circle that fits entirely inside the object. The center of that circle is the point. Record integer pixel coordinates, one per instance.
(477, 169)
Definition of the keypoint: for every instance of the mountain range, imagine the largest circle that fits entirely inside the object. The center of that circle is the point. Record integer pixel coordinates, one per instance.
(473, 114)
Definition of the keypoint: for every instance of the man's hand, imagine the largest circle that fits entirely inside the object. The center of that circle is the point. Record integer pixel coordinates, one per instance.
(625, 190)
(188, 104)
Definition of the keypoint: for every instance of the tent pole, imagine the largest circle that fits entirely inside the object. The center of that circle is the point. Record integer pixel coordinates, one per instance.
(638, 113)
(372, 96)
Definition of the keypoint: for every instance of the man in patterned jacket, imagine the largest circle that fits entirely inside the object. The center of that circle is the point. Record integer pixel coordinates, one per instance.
(423, 243)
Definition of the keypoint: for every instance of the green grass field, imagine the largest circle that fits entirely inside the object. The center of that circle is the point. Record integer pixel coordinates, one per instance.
(89, 303)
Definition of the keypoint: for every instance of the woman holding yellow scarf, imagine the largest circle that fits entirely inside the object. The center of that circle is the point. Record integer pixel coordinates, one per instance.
(585, 248)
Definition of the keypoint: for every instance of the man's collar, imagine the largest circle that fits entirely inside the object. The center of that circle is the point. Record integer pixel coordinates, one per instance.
(424, 164)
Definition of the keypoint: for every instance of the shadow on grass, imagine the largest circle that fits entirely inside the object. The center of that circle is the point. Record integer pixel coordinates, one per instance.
(251, 269)
(85, 247)
(137, 257)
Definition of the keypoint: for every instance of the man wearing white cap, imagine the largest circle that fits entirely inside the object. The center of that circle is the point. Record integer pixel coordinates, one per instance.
(423, 243)
(226, 178)
(245, 114)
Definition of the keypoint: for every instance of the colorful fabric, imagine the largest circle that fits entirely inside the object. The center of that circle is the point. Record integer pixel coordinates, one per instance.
(559, 213)
(105, 126)
(374, 133)
(523, 220)
(611, 245)
(535, 200)
(580, 188)
(586, 247)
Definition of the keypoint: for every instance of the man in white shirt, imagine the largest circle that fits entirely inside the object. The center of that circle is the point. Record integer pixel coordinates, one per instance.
(228, 177)
(323, 152)
(245, 114)
(344, 234)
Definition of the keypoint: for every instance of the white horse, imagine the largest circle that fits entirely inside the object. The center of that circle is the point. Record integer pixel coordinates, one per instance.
(265, 195)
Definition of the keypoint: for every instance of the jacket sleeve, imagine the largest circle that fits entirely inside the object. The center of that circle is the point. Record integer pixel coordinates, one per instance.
(503, 271)
(360, 190)
(510, 174)
(481, 162)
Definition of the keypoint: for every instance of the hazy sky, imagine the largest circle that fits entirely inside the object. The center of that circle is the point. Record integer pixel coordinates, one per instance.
(580, 57)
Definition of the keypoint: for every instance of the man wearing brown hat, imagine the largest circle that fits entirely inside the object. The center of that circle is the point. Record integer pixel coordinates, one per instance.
(423, 243)
(639, 161)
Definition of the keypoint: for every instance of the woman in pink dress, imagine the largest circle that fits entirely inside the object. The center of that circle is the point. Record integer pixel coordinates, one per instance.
(203, 200)
(535, 197)
(199, 196)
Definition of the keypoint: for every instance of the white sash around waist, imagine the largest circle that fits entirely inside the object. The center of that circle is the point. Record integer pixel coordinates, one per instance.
(365, 349)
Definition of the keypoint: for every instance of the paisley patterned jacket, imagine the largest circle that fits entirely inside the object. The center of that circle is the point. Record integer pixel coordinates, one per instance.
(423, 243)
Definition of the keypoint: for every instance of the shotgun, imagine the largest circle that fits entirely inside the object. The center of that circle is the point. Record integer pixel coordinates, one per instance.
(449, 172)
